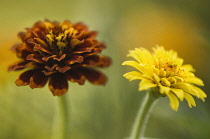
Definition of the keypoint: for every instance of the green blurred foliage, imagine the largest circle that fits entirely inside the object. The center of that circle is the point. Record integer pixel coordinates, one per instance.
(108, 112)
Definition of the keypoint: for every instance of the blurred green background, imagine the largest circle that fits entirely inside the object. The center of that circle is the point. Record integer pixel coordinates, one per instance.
(108, 112)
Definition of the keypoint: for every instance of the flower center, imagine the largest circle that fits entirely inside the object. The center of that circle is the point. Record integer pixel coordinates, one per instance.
(168, 73)
(59, 39)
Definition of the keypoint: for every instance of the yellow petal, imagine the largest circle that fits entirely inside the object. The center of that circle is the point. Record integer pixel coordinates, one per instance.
(156, 77)
(133, 64)
(179, 93)
(146, 84)
(179, 61)
(202, 95)
(146, 57)
(186, 88)
(147, 70)
(164, 89)
(194, 80)
(190, 100)
(133, 75)
(174, 102)
(135, 55)
(141, 55)
(188, 67)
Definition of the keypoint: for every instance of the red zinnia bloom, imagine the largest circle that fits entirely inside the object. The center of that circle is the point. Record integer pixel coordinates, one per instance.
(59, 52)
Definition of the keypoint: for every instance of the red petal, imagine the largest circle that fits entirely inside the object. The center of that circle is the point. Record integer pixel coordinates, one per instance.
(51, 68)
(97, 60)
(39, 24)
(90, 34)
(22, 36)
(60, 58)
(41, 42)
(63, 69)
(74, 59)
(21, 50)
(38, 47)
(86, 35)
(24, 78)
(96, 50)
(76, 76)
(47, 73)
(58, 84)
(35, 57)
(30, 40)
(46, 58)
(80, 26)
(18, 66)
(66, 23)
(38, 80)
(94, 76)
(22, 65)
(87, 46)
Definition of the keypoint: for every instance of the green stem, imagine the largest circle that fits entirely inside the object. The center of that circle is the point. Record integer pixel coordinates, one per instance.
(61, 128)
(142, 116)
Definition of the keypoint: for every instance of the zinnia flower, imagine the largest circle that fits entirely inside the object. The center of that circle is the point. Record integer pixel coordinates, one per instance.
(59, 52)
(164, 72)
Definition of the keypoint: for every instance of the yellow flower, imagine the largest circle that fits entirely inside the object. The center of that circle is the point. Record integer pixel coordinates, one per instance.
(164, 71)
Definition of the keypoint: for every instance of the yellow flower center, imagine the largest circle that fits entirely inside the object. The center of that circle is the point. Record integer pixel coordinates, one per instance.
(167, 73)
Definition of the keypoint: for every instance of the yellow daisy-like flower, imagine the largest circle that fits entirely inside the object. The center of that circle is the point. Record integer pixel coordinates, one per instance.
(164, 71)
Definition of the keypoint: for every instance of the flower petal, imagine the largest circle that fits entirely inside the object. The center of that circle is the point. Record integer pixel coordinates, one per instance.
(95, 49)
(58, 84)
(21, 50)
(188, 67)
(98, 47)
(18, 66)
(66, 24)
(46, 58)
(38, 80)
(141, 55)
(35, 57)
(75, 42)
(41, 42)
(60, 58)
(24, 78)
(38, 47)
(97, 60)
(80, 26)
(83, 47)
(194, 80)
(63, 69)
(179, 93)
(187, 88)
(202, 95)
(164, 90)
(133, 75)
(22, 36)
(89, 34)
(190, 100)
(94, 76)
(146, 84)
(174, 102)
(74, 59)
(75, 76)
(133, 64)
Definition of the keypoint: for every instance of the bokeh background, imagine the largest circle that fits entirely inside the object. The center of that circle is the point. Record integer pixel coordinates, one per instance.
(108, 112)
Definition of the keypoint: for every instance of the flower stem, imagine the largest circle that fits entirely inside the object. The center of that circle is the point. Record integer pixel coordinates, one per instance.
(143, 116)
(62, 121)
